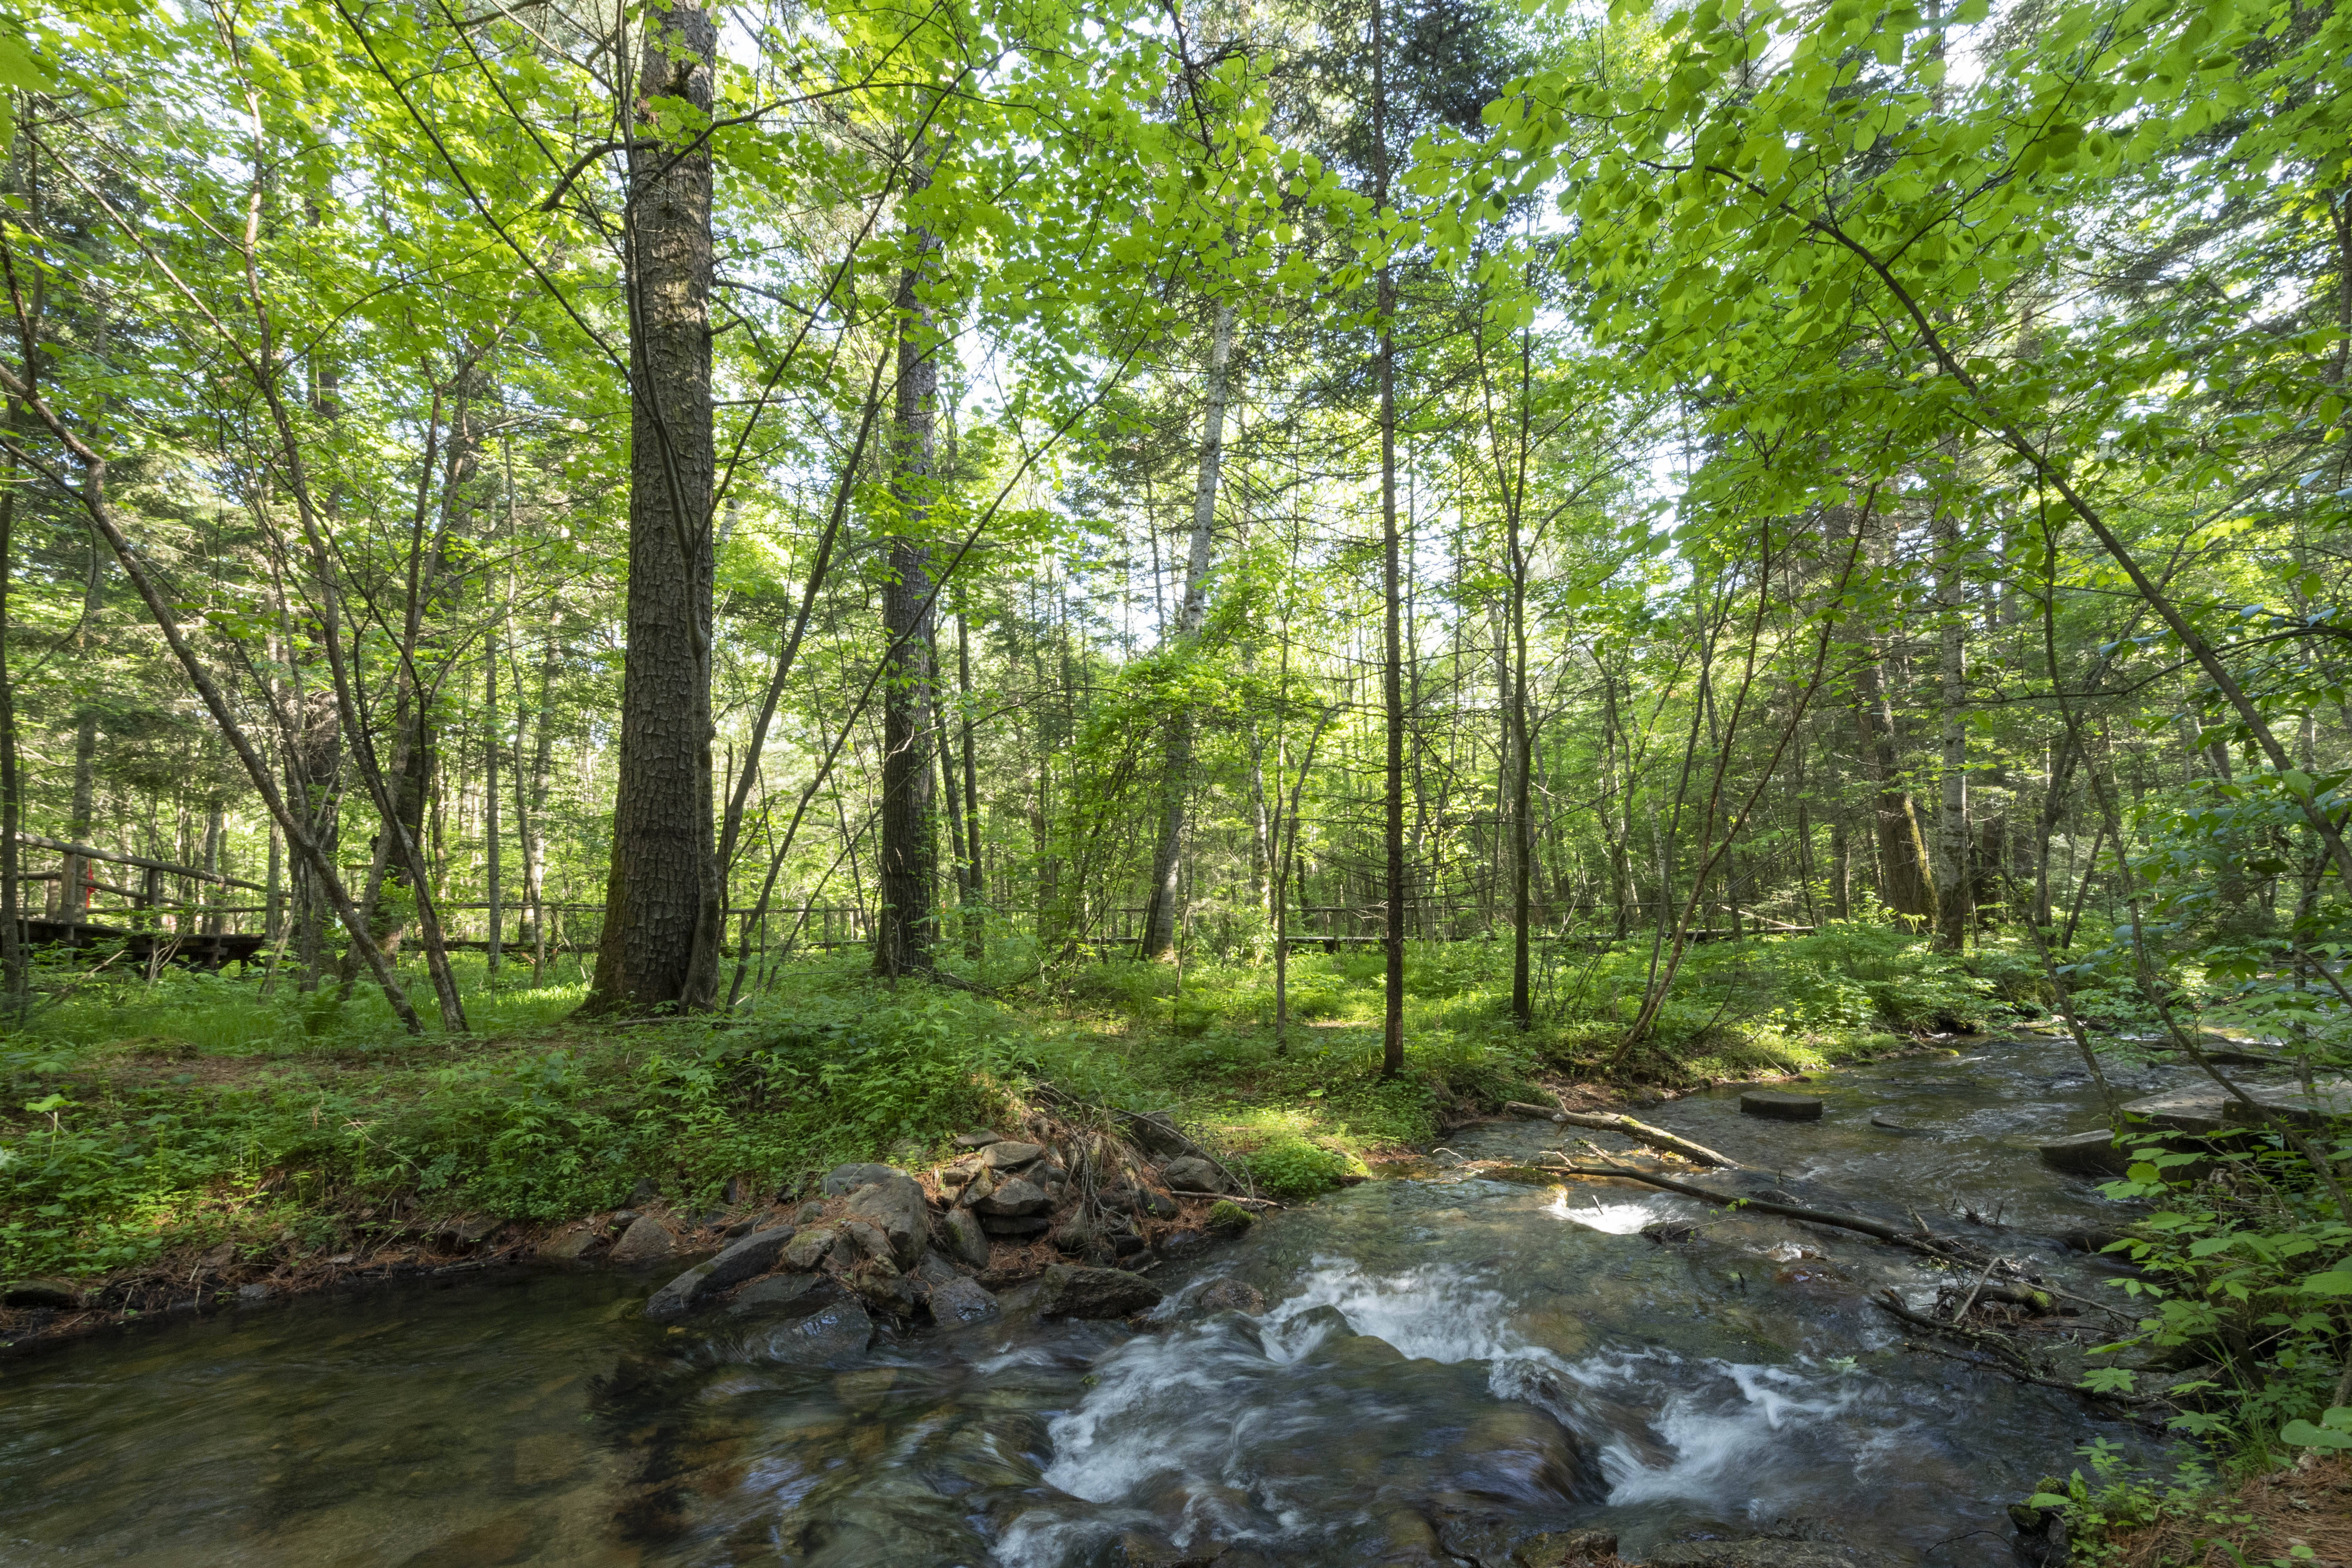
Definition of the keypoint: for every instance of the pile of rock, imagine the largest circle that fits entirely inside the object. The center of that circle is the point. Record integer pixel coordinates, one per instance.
(874, 1243)
(1011, 1188)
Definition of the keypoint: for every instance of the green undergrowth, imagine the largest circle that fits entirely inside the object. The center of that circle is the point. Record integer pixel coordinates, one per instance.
(206, 1114)
(138, 1117)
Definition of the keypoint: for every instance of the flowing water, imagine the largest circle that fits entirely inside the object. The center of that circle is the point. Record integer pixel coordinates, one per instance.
(1447, 1363)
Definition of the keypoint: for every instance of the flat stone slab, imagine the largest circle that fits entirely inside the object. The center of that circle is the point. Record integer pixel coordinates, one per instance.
(2092, 1153)
(2328, 1098)
(2206, 1108)
(1782, 1107)
(2194, 1109)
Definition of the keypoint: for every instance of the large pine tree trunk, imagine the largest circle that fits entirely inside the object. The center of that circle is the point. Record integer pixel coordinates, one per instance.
(1160, 919)
(905, 923)
(659, 946)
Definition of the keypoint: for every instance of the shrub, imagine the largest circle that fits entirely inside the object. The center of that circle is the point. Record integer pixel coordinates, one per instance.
(1295, 1168)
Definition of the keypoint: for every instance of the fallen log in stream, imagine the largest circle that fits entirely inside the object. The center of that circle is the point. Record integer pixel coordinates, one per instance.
(1950, 1249)
(1640, 1132)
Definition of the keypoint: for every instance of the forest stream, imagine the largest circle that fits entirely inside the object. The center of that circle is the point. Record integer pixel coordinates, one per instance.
(1445, 1364)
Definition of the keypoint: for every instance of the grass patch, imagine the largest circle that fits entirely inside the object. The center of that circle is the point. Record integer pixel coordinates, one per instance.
(137, 1118)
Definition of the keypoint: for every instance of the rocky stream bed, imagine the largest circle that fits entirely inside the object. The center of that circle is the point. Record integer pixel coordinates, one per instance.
(1057, 1353)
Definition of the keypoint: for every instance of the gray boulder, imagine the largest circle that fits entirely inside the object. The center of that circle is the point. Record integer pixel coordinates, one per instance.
(1019, 1225)
(1230, 1295)
(977, 1138)
(755, 1254)
(676, 1299)
(1011, 1198)
(964, 1238)
(782, 1294)
(1191, 1173)
(834, 1333)
(808, 1248)
(959, 1303)
(1010, 1156)
(867, 1242)
(843, 1180)
(570, 1246)
(955, 1301)
(894, 1205)
(647, 1242)
(1068, 1292)
(1782, 1107)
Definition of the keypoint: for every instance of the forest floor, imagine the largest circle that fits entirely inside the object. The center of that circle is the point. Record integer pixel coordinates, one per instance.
(178, 1139)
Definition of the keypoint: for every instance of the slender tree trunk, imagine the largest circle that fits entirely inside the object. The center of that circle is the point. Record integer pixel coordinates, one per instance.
(1840, 847)
(1952, 881)
(942, 744)
(1176, 783)
(530, 797)
(1392, 577)
(660, 944)
(976, 928)
(273, 908)
(1906, 884)
(490, 796)
(905, 924)
(12, 934)
(216, 850)
(1523, 827)
(74, 871)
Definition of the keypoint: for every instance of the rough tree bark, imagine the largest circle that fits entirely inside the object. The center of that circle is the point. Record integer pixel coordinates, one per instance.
(659, 946)
(908, 853)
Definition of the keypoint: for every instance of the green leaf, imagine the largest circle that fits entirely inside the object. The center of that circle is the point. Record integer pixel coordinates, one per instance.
(2304, 1435)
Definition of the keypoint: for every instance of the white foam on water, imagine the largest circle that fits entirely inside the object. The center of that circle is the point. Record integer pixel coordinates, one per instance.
(1198, 1402)
(1434, 1313)
(1622, 1217)
(1715, 1437)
